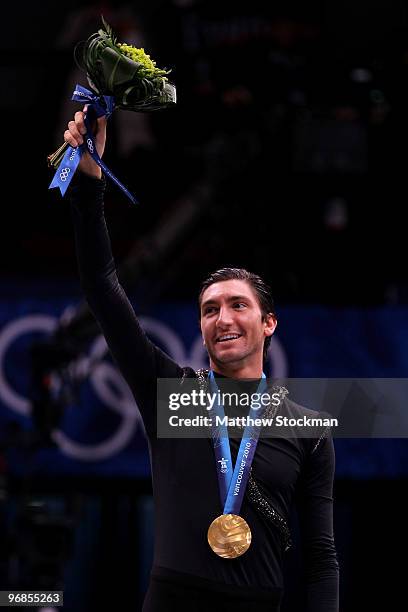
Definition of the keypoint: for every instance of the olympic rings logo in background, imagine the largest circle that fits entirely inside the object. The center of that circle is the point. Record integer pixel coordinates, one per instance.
(107, 382)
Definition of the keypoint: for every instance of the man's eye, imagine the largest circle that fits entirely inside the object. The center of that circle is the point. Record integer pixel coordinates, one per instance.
(209, 310)
(239, 305)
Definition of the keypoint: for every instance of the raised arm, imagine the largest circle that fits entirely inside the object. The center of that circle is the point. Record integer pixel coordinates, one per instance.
(139, 360)
(315, 507)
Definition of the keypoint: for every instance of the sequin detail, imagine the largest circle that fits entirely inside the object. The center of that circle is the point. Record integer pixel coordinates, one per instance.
(259, 501)
(324, 434)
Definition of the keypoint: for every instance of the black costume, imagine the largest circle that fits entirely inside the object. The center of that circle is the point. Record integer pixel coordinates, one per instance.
(186, 573)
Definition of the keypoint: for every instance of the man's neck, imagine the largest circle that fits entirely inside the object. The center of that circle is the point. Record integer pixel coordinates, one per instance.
(237, 371)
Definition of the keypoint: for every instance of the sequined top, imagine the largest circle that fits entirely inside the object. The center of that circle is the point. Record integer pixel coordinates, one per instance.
(287, 472)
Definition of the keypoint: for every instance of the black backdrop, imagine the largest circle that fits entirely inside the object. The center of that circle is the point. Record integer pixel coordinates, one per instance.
(293, 117)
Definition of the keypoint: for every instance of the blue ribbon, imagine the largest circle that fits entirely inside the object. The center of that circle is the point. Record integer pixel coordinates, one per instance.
(232, 483)
(98, 106)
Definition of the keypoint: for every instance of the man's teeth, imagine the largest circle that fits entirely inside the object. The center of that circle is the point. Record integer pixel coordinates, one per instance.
(228, 337)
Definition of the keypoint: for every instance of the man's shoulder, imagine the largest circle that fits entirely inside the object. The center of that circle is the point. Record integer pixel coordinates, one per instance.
(296, 410)
(312, 426)
(190, 374)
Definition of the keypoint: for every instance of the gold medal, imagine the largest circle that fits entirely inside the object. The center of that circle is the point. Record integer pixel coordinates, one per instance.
(229, 536)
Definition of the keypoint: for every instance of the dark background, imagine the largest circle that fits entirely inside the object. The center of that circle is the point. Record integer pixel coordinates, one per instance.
(293, 117)
(291, 131)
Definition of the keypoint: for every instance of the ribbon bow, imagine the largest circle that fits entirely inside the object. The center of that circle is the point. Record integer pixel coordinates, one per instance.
(98, 106)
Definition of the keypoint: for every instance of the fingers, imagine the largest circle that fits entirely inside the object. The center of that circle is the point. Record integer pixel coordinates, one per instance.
(99, 124)
(74, 135)
(76, 129)
(80, 122)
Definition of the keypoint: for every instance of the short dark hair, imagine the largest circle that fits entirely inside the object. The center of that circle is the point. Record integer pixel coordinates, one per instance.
(262, 291)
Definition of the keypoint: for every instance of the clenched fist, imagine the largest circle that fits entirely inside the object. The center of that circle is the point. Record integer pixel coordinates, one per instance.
(74, 136)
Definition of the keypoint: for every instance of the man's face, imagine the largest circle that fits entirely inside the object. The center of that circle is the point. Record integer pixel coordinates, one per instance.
(232, 325)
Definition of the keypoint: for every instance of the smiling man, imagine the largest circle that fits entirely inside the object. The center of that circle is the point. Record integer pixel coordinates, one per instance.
(237, 320)
(222, 506)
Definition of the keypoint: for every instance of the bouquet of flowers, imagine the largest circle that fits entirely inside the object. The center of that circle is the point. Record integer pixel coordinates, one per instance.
(120, 76)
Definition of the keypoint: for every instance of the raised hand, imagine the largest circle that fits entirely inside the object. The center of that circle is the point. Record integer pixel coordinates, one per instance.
(74, 136)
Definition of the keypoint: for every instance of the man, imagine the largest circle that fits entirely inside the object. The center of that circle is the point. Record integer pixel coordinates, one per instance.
(237, 321)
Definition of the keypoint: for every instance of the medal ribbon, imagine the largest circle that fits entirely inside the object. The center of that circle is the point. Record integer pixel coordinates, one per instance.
(232, 483)
(98, 106)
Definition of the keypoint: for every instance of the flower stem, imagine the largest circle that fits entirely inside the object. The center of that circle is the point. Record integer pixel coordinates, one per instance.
(56, 158)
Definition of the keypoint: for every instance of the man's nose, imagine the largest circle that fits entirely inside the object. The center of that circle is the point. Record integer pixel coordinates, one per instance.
(224, 317)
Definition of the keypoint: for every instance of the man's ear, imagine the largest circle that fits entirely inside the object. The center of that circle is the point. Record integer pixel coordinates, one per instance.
(270, 324)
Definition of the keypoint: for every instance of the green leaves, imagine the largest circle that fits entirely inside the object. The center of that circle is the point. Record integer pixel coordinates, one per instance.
(108, 30)
(125, 72)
